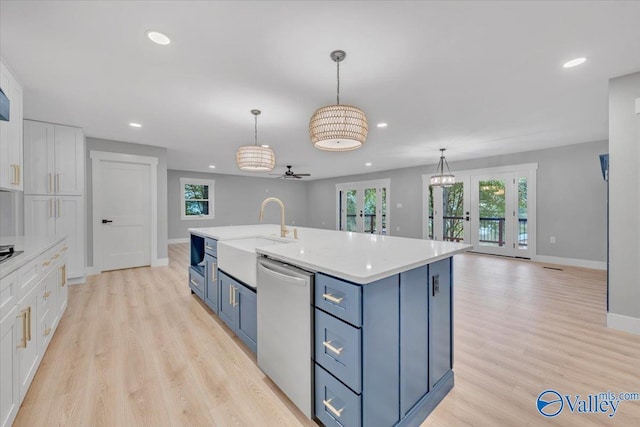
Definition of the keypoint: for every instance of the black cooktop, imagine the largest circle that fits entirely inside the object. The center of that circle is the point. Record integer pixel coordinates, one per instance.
(7, 252)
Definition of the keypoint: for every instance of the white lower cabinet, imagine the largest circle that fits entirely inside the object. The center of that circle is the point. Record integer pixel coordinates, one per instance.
(10, 329)
(29, 315)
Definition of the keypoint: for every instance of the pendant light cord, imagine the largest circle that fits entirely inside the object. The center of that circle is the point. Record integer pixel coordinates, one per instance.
(338, 91)
(256, 130)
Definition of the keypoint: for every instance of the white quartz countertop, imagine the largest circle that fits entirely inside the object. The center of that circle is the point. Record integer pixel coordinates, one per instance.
(356, 257)
(32, 247)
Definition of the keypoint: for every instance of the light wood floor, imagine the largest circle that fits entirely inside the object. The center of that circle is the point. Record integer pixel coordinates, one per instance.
(135, 348)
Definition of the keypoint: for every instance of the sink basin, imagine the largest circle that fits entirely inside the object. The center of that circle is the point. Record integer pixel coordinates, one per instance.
(238, 257)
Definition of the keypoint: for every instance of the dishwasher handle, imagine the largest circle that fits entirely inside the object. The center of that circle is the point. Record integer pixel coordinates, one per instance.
(281, 276)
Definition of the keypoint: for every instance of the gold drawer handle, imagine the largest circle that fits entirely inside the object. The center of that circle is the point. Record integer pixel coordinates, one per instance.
(23, 341)
(64, 249)
(46, 263)
(46, 294)
(209, 247)
(56, 256)
(336, 412)
(28, 323)
(194, 282)
(47, 331)
(332, 348)
(332, 298)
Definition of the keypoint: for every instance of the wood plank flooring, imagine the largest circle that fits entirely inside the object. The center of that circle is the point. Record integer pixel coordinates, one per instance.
(135, 348)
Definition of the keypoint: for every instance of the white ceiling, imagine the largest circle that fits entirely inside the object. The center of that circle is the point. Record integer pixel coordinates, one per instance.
(480, 78)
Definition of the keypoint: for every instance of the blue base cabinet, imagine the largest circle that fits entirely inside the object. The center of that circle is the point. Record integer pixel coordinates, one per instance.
(211, 282)
(238, 309)
(383, 351)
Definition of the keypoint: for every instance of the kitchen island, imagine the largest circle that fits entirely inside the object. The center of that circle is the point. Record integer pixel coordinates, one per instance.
(381, 316)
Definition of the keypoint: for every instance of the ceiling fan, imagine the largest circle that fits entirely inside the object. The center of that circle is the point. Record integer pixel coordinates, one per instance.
(290, 174)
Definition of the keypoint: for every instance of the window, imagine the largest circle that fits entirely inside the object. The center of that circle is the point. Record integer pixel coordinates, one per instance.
(362, 206)
(196, 197)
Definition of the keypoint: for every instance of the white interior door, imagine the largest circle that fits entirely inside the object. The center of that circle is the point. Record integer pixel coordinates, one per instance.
(124, 209)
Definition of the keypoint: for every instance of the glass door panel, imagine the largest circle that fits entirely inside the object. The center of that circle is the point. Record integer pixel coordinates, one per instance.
(523, 226)
(352, 210)
(492, 214)
(370, 209)
(452, 213)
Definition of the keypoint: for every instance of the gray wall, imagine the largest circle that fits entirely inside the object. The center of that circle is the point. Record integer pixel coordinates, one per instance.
(624, 197)
(571, 198)
(96, 144)
(237, 201)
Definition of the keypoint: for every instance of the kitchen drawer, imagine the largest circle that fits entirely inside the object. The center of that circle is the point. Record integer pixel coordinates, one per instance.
(340, 298)
(339, 349)
(196, 282)
(44, 329)
(28, 275)
(336, 405)
(211, 246)
(8, 293)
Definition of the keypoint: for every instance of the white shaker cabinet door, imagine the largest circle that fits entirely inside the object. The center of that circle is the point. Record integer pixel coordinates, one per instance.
(38, 156)
(69, 161)
(39, 216)
(10, 328)
(69, 211)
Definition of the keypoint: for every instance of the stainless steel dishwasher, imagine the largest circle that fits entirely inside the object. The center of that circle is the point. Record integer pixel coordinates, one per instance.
(285, 330)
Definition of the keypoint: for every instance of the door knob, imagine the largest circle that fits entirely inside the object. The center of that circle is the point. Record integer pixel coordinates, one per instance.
(104, 221)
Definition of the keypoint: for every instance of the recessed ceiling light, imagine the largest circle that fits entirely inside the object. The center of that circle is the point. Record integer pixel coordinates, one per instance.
(212, 166)
(264, 146)
(159, 38)
(368, 164)
(382, 125)
(574, 62)
(135, 125)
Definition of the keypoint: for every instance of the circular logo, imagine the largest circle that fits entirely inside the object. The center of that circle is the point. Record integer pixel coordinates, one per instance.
(550, 403)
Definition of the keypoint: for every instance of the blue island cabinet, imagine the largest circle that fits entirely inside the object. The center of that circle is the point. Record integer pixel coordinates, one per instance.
(383, 351)
(203, 270)
(238, 309)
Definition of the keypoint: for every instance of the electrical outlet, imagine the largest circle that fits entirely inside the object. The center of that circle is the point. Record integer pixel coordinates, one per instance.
(552, 239)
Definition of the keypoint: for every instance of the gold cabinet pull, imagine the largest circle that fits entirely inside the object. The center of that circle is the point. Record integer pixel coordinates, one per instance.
(331, 298)
(47, 331)
(23, 341)
(194, 283)
(58, 206)
(213, 271)
(332, 348)
(234, 302)
(57, 182)
(50, 184)
(18, 175)
(209, 247)
(47, 294)
(329, 406)
(56, 256)
(29, 323)
(46, 263)
(63, 275)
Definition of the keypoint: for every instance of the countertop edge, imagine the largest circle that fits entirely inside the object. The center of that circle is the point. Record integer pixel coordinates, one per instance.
(14, 264)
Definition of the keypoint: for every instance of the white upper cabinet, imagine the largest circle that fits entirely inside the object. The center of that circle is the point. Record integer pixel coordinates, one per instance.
(11, 164)
(54, 155)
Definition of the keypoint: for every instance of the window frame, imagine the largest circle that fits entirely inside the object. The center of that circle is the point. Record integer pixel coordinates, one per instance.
(196, 181)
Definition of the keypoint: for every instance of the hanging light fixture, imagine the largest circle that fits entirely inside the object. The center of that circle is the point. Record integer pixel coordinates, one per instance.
(338, 127)
(442, 179)
(255, 158)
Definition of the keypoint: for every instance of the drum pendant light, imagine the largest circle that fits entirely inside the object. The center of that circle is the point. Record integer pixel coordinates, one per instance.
(255, 158)
(442, 179)
(338, 127)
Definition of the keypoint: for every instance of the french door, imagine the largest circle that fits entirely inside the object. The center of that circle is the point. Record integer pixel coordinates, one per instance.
(362, 206)
(493, 210)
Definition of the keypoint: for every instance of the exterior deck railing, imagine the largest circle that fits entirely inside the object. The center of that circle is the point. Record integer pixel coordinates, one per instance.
(491, 230)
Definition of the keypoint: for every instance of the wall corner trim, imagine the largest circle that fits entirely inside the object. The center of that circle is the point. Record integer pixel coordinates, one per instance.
(572, 262)
(623, 323)
(160, 262)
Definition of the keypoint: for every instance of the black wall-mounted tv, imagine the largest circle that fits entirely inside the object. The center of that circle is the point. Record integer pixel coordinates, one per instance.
(4, 106)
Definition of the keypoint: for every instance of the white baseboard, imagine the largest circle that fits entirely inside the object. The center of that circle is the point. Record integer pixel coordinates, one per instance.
(91, 271)
(160, 262)
(77, 281)
(623, 323)
(181, 240)
(573, 262)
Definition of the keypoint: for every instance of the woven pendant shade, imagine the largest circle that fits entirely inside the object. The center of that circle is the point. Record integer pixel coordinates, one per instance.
(338, 128)
(255, 159)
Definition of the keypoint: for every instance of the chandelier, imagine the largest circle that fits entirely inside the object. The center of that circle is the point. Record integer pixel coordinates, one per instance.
(255, 158)
(442, 179)
(338, 127)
